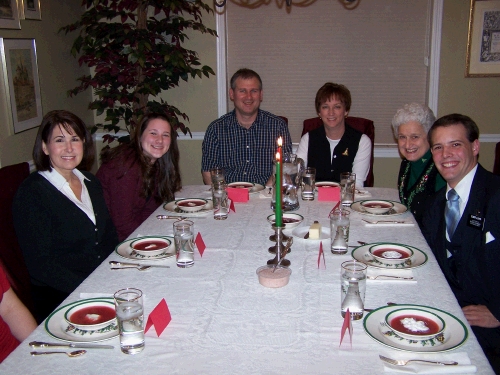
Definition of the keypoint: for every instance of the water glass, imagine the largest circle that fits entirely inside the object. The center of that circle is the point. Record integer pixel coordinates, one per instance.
(220, 201)
(347, 187)
(352, 288)
(217, 175)
(130, 318)
(339, 230)
(184, 243)
(307, 184)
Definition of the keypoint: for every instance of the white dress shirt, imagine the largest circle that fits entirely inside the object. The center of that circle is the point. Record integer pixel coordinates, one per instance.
(60, 183)
(463, 190)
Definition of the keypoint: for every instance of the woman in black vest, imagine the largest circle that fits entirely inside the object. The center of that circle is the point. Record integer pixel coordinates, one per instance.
(418, 177)
(335, 147)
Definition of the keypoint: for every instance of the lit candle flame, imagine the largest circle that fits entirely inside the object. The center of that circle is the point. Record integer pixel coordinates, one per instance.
(280, 141)
(278, 157)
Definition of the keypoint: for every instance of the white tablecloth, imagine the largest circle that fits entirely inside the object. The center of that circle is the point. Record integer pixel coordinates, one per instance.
(225, 322)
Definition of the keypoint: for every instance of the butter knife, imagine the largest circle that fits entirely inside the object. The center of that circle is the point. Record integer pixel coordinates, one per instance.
(40, 344)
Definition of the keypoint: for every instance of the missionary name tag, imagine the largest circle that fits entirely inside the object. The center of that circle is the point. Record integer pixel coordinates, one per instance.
(475, 221)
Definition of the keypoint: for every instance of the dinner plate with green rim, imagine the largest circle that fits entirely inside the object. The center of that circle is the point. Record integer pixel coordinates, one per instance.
(172, 208)
(126, 251)
(57, 327)
(397, 209)
(454, 335)
(362, 254)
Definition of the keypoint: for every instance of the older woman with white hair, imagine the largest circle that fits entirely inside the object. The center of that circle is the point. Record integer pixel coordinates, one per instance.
(418, 177)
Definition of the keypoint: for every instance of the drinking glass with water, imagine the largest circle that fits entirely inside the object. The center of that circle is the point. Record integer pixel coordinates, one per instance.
(339, 230)
(347, 187)
(184, 243)
(217, 175)
(308, 184)
(220, 201)
(130, 318)
(352, 288)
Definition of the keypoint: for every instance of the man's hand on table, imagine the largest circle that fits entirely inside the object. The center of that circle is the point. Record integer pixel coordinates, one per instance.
(480, 315)
(207, 179)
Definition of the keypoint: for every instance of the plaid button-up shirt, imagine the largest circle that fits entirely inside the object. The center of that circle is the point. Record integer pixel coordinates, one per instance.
(245, 154)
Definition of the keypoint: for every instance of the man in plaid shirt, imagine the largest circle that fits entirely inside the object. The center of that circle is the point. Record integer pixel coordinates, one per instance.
(244, 141)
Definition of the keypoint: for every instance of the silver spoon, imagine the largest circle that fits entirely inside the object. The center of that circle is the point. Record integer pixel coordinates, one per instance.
(166, 217)
(140, 268)
(388, 304)
(118, 266)
(362, 243)
(72, 354)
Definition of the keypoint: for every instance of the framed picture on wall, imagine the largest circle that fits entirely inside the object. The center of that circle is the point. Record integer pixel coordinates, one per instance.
(9, 14)
(32, 9)
(20, 68)
(483, 45)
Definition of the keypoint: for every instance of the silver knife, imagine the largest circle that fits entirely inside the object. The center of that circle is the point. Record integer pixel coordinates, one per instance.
(40, 344)
(113, 263)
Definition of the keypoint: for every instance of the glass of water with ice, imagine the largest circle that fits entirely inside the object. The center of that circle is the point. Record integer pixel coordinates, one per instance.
(130, 318)
(184, 242)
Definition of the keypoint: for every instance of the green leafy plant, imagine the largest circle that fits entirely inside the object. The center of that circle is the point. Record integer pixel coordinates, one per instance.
(135, 49)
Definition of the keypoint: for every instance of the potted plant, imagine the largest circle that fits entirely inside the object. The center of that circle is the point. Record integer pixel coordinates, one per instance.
(135, 51)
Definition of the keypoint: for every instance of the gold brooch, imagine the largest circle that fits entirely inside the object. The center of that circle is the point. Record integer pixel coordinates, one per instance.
(346, 152)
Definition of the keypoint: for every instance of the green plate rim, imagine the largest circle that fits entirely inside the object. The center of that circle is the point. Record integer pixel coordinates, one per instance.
(378, 215)
(394, 243)
(464, 339)
(171, 238)
(47, 320)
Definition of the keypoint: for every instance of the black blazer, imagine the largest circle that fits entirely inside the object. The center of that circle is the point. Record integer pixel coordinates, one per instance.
(473, 271)
(61, 245)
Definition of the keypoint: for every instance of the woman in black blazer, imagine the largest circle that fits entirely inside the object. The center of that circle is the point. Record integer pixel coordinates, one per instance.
(60, 216)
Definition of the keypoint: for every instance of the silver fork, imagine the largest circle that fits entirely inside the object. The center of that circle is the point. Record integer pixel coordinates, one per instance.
(400, 362)
(384, 221)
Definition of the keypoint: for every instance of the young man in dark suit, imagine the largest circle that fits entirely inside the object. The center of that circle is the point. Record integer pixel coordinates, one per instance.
(462, 227)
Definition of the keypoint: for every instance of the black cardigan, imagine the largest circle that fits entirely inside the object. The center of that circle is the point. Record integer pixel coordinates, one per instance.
(61, 245)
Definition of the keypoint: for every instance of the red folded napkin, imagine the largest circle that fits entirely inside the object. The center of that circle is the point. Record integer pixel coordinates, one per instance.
(231, 206)
(200, 244)
(346, 325)
(159, 317)
(334, 208)
(321, 254)
(328, 193)
(238, 194)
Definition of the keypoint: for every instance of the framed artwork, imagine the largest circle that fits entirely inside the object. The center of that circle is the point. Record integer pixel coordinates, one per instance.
(483, 45)
(19, 64)
(32, 9)
(9, 14)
